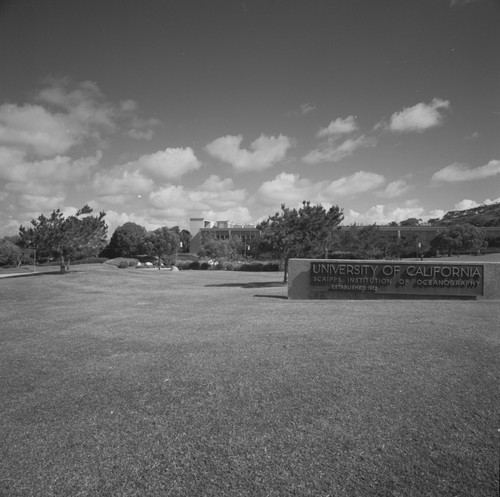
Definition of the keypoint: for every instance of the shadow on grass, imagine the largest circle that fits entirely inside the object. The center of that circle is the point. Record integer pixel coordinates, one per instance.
(21, 275)
(254, 284)
(282, 297)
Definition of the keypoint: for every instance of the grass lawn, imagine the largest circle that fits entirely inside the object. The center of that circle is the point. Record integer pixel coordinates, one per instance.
(123, 382)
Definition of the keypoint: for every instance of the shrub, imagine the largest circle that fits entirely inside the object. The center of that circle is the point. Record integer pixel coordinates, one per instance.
(9, 253)
(230, 266)
(122, 262)
(259, 266)
(90, 260)
(272, 266)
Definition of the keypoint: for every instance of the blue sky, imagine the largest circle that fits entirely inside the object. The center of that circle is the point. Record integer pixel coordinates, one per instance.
(157, 110)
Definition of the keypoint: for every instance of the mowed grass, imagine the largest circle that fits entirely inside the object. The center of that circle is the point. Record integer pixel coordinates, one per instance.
(205, 383)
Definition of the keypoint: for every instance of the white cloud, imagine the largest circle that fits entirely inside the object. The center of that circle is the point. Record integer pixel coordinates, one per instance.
(141, 129)
(332, 151)
(215, 184)
(471, 204)
(238, 215)
(459, 3)
(264, 152)
(306, 108)
(436, 214)
(168, 196)
(33, 129)
(418, 118)
(87, 115)
(119, 182)
(166, 164)
(466, 204)
(41, 203)
(473, 136)
(303, 110)
(217, 199)
(394, 189)
(141, 135)
(339, 127)
(460, 172)
(128, 105)
(66, 115)
(359, 182)
(143, 176)
(213, 194)
(42, 176)
(382, 215)
(286, 188)
(291, 189)
(9, 159)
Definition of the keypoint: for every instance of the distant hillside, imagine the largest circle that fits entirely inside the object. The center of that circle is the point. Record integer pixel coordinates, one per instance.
(484, 216)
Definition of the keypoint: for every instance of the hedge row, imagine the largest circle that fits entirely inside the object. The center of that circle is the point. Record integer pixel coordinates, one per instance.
(229, 266)
(88, 260)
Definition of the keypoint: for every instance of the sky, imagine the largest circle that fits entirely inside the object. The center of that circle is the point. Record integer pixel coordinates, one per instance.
(156, 111)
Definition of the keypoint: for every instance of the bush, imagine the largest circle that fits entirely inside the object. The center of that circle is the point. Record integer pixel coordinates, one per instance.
(230, 266)
(272, 266)
(183, 265)
(90, 260)
(122, 262)
(9, 253)
(259, 266)
(252, 266)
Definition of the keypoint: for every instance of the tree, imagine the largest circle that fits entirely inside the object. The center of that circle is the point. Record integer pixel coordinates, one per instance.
(412, 221)
(306, 232)
(65, 237)
(483, 215)
(184, 239)
(10, 253)
(460, 238)
(161, 242)
(126, 240)
(218, 249)
(371, 243)
(366, 242)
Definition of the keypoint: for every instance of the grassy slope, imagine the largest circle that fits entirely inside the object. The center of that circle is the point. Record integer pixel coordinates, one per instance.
(130, 383)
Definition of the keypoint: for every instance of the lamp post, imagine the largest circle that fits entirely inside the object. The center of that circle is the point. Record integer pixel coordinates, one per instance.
(180, 246)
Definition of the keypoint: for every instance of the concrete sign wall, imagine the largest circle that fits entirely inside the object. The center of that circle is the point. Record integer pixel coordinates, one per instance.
(348, 279)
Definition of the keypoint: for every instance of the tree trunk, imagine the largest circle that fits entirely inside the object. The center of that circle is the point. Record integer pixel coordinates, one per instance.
(285, 271)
